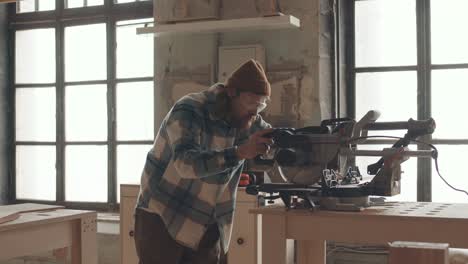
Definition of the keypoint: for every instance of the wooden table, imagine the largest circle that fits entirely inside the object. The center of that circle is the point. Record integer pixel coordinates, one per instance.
(395, 221)
(36, 232)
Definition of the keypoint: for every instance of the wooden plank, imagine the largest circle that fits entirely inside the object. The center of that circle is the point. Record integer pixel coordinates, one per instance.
(274, 239)
(48, 230)
(34, 239)
(84, 244)
(311, 252)
(424, 222)
(7, 217)
(402, 252)
(368, 230)
(13, 211)
(242, 248)
(44, 217)
(402, 210)
(127, 242)
(130, 190)
(257, 23)
(428, 222)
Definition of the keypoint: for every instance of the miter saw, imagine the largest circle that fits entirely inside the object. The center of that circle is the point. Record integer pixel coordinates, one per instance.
(317, 163)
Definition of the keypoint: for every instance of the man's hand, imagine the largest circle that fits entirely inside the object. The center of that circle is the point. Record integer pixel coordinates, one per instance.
(256, 145)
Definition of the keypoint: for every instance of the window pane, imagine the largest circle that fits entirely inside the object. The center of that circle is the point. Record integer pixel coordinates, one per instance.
(450, 164)
(449, 93)
(95, 2)
(86, 113)
(393, 94)
(448, 31)
(74, 3)
(85, 53)
(35, 63)
(385, 33)
(124, 1)
(25, 6)
(408, 191)
(35, 172)
(35, 114)
(86, 173)
(135, 111)
(130, 162)
(81, 3)
(45, 5)
(134, 52)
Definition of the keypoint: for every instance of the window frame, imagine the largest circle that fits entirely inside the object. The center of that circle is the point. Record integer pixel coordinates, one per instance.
(423, 69)
(110, 14)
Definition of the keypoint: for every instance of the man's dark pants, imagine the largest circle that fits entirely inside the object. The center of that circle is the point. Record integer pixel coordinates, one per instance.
(154, 244)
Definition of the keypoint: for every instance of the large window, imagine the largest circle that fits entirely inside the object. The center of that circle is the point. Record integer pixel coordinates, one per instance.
(84, 99)
(411, 61)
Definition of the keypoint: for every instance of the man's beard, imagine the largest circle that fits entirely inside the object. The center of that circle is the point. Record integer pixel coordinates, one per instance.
(244, 122)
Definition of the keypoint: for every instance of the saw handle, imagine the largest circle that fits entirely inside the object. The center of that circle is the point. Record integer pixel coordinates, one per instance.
(281, 138)
(414, 127)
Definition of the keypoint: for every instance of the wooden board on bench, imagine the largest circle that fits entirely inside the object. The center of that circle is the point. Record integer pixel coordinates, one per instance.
(13, 211)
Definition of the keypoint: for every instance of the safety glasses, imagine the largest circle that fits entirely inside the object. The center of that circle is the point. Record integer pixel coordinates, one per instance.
(253, 102)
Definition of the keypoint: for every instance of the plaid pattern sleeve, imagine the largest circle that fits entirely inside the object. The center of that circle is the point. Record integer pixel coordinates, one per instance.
(190, 160)
(191, 174)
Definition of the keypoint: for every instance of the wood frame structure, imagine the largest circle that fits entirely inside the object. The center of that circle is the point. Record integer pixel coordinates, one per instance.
(398, 221)
(36, 232)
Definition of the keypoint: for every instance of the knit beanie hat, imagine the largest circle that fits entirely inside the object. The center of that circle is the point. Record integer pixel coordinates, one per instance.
(249, 77)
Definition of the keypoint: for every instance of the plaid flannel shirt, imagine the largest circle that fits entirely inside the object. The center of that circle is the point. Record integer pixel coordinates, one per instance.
(192, 172)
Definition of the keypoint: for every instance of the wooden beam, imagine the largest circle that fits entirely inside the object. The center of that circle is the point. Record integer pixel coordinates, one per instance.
(211, 26)
(402, 252)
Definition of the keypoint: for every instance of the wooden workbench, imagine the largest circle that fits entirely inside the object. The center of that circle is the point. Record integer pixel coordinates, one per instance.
(36, 232)
(395, 221)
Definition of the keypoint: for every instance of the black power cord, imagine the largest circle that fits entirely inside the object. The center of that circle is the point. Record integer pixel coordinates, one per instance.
(435, 156)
